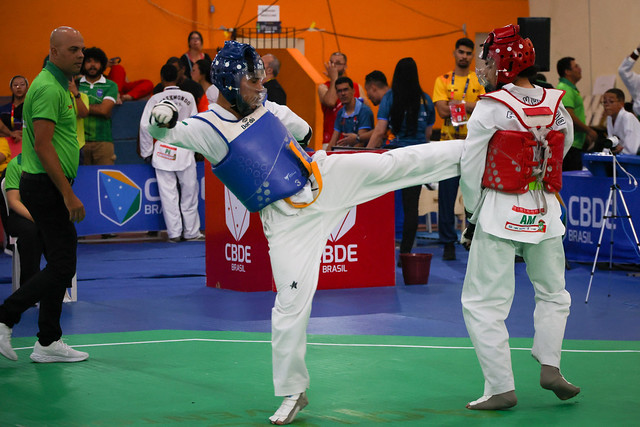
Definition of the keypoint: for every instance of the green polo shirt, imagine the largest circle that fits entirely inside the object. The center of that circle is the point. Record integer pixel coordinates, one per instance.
(97, 128)
(14, 171)
(573, 100)
(49, 98)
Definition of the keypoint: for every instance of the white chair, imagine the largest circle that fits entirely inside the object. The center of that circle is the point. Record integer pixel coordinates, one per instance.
(70, 295)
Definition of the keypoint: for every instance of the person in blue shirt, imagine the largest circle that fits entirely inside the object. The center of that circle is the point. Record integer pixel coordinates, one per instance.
(354, 121)
(409, 113)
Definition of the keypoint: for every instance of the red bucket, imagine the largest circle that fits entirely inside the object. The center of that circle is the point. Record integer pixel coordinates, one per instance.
(415, 268)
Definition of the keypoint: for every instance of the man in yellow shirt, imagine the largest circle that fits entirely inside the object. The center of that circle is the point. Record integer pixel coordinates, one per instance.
(455, 95)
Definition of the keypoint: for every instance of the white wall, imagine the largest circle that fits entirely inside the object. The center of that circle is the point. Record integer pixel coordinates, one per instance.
(598, 33)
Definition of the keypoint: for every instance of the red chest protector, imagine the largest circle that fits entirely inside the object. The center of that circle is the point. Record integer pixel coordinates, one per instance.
(515, 159)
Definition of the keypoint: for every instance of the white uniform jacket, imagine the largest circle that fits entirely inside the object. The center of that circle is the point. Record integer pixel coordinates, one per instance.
(627, 129)
(165, 156)
(509, 216)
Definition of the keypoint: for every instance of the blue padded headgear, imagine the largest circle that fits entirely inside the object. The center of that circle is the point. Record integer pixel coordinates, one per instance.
(232, 63)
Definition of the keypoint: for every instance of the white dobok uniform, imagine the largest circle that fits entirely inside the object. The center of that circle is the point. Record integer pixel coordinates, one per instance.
(297, 236)
(173, 165)
(510, 224)
(627, 129)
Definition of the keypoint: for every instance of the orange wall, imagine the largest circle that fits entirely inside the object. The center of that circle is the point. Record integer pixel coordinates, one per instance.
(146, 33)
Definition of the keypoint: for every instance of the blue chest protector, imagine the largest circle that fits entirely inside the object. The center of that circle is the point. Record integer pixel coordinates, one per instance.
(264, 163)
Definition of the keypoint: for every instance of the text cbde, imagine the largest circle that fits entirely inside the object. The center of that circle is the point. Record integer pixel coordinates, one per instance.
(586, 212)
(237, 253)
(340, 253)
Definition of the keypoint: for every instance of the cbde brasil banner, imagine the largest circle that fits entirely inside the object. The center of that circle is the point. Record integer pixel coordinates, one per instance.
(123, 198)
(585, 197)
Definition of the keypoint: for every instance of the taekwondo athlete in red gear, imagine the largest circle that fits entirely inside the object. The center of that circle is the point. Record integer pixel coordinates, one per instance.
(511, 167)
(253, 147)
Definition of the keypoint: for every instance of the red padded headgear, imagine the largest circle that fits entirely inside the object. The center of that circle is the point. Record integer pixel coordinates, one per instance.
(512, 53)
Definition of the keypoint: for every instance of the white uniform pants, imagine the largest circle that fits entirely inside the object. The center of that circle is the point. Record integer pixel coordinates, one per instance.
(296, 241)
(487, 294)
(179, 209)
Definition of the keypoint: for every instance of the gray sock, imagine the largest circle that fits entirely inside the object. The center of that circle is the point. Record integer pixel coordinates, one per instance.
(496, 402)
(552, 379)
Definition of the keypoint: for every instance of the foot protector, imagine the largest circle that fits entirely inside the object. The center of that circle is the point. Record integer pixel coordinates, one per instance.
(290, 407)
(552, 379)
(496, 402)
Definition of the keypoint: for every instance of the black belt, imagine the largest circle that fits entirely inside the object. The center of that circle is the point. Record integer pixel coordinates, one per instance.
(41, 177)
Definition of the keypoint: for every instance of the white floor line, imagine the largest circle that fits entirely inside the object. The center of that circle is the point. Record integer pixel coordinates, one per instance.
(433, 347)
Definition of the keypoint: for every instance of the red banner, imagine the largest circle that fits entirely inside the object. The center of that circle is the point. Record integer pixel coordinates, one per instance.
(359, 253)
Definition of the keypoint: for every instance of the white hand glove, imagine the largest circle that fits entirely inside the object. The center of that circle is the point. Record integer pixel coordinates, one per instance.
(164, 114)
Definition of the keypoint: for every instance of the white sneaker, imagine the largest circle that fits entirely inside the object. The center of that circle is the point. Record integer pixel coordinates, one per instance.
(57, 351)
(5, 343)
(290, 407)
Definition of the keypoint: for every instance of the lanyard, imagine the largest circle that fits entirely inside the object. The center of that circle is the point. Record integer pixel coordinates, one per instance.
(13, 107)
(453, 81)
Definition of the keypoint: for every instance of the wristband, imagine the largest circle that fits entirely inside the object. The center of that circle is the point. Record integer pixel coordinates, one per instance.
(357, 138)
(635, 54)
(77, 96)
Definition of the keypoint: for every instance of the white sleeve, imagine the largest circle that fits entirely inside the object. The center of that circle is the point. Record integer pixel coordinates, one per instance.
(630, 79)
(480, 129)
(631, 135)
(298, 127)
(146, 140)
(568, 127)
(195, 135)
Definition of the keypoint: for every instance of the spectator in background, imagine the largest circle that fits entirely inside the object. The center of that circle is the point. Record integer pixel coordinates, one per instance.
(630, 79)
(275, 92)
(11, 115)
(194, 54)
(49, 166)
(103, 93)
(174, 166)
(81, 105)
(621, 123)
(455, 95)
(354, 123)
(185, 84)
(376, 86)
(336, 67)
(570, 73)
(129, 91)
(201, 75)
(410, 114)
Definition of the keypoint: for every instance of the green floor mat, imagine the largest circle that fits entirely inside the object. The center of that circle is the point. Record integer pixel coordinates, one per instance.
(205, 378)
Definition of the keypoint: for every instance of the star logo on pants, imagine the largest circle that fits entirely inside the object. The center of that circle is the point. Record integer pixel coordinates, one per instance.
(294, 285)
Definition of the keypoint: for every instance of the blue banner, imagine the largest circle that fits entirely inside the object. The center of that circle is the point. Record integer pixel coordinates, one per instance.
(585, 197)
(123, 198)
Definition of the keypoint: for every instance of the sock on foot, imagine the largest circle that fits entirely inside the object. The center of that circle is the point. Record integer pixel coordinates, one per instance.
(504, 400)
(552, 379)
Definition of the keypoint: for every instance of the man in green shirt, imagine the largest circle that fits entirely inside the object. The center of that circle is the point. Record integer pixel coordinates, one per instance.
(49, 164)
(103, 94)
(584, 137)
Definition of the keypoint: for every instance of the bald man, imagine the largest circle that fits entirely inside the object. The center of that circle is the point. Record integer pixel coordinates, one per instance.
(50, 157)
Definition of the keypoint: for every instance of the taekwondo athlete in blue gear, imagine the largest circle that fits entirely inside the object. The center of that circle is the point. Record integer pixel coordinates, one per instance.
(240, 127)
